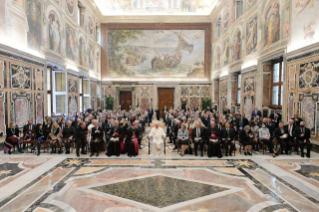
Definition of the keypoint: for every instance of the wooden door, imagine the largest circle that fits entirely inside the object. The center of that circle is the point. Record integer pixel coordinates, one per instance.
(165, 97)
(125, 99)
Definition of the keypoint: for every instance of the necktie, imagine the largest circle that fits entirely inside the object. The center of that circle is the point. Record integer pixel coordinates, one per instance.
(227, 133)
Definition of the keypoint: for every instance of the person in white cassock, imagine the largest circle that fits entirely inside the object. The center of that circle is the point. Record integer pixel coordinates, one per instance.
(157, 137)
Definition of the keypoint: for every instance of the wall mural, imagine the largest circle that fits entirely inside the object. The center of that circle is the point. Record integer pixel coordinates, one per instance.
(249, 84)
(184, 101)
(225, 18)
(249, 102)
(250, 3)
(3, 113)
(33, 12)
(54, 32)
(39, 108)
(226, 53)
(217, 60)
(304, 19)
(144, 91)
(194, 91)
(3, 74)
(285, 20)
(194, 102)
(205, 91)
(38, 76)
(70, 43)
(93, 88)
(272, 23)
(20, 77)
(237, 45)
(184, 90)
(308, 75)
(21, 108)
(91, 57)
(70, 6)
(144, 103)
(98, 61)
(73, 86)
(223, 89)
(216, 91)
(251, 42)
(90, 25)
(82, 52)
(156, 53)
(73, 104)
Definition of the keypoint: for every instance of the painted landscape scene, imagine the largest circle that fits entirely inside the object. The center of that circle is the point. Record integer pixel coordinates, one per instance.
(156, 53)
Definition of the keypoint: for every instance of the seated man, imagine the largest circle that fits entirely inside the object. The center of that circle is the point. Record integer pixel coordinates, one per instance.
(198, 135)
(303, 135)
(115, 139)
(213, 137)
(27, 127)
(157, 144)
(80, 138)
(96, 138)
(228, 139)
(282, 138)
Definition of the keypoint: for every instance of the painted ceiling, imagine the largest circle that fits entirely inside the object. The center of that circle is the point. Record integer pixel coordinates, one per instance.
(155, 7)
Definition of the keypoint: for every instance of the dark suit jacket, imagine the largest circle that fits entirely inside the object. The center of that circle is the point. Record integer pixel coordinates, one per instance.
(211, 131)
(297, 134)
(278, 133)
(297, 123)
(26, 128)
(96, 135)
(271, 128)
(67, 133)
(231, 134)
(80, 134)
(202, 134)
(287, 130)
(244, 137)
(253, 114)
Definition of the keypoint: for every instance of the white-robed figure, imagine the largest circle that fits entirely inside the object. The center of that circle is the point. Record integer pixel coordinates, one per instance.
(157, 137)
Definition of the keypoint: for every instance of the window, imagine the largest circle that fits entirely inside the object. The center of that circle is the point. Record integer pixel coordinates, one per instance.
(49, 90)
(86, 102)
(238, 88)
(60, 93)
(81, 94)
(277, 83)
(98, 34)
(238, 8)
(218, 24)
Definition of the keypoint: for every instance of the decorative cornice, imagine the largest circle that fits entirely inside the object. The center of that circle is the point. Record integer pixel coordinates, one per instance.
(156, 19)
(72, 73)
(15, 54)
(249, 69)
(305, 52)
(236, 68)
(223, 78)
(272, 55)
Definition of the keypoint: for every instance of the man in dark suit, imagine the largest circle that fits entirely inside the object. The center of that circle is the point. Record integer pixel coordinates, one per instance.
(80, 138)
(297, 120)
(226, 111)
(277, 119)
(242, 122)
(150, 114)
(282, 138)
(289, 128)
(271, 127)
(255, 113)
(177, 125)
(302, 135)
(228, 137)
(198, 135)
(27, 127)
(96, 138)
(170, 128)
(62, 125)
(157, 114)
(164, 109)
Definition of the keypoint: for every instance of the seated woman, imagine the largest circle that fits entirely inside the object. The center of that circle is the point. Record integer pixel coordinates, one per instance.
(55, 137)
(68, 134)
(157, 144)
(38, 138)
(255, 131)
(246, 138)
(183, 137)
(12, 137)
(47, 126)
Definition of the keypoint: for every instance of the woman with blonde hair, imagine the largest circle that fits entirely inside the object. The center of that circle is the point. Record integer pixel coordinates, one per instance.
(56, 137)
(12, 137)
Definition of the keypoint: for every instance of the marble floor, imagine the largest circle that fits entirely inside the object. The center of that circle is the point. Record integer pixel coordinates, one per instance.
(171, 183)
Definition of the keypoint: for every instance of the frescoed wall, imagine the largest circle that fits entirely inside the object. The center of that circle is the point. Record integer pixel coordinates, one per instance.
(192, 96)
(73, 93)
(248, 95)
(145, 96)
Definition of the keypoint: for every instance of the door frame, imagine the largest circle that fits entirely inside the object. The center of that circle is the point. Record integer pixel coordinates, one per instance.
(126, 89)
(126, 92)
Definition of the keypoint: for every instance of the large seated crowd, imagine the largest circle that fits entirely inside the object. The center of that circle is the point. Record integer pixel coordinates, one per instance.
(189, 130)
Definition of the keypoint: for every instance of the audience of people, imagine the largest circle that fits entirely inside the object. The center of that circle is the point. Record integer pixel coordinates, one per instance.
(119, 132)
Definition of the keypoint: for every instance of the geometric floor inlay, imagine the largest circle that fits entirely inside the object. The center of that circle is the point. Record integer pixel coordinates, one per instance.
(159, 191)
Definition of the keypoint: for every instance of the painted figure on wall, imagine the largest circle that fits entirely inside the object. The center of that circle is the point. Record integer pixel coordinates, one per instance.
(237, 45)
(70, 43)
(91, 25)
(226, 53)
(98, 61)
(225, 18)
(82, 53)
(54, 33)
(309, 31)
(91, 57)
(70, 4)
(272, 24)
(251, 43)
(156, 53)
(217, 61)
(33, 11)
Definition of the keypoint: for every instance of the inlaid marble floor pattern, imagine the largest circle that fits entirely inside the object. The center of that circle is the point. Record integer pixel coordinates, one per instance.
(257, 183)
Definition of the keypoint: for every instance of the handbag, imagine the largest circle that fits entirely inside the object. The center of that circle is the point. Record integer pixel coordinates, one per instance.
(13, 139)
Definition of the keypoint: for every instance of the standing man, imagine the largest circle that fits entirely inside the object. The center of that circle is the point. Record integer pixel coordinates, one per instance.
(150, 114)
(297, 120)
(157, 114)
(303, 135)
(255, 113)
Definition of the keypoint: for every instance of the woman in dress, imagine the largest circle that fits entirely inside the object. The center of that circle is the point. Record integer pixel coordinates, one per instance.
(12, 137)
(183, 136)
(38, 138)
(246, 138)
(55, 135)
(255, 130)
